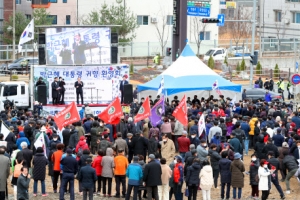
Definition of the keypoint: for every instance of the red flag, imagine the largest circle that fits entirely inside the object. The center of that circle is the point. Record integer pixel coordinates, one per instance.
(144, 111)
(67, 116)
(113, 113)
(180, 112)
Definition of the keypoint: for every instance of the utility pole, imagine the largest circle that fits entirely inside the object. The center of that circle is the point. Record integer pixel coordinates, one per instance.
(253, 40)
(14, 30)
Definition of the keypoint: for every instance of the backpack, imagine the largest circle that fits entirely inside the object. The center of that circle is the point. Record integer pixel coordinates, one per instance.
(18, 168)
(80, 152)
(176, 173)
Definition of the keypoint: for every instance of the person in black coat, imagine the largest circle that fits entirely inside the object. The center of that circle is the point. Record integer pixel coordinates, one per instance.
(270, 147)
(139, 144)
(153, 145)
(253, 172)
(214, 159)
(27, 156)
(224, 167)
(192, 178)
(79, 85)
(87, 176)
(39, 171)
(274, 163)
(82, 162)
(152, 177)
(66, 135)
(73, 138)
(122, 83)
(189, 161)
(11, 140)
(55, 91)
(259, 147)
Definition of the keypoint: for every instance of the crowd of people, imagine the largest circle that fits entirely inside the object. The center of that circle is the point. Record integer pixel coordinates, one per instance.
(156, 162)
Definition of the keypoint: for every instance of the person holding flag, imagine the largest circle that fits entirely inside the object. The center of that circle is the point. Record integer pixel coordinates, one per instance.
(144, 111)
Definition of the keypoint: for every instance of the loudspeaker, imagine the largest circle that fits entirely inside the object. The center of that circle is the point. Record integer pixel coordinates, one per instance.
(42, 94)
(42, 38)
(114, 38)
(114, 55)
(128, 94)
(42, 56)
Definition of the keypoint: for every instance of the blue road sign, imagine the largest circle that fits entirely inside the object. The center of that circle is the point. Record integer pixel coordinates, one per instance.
(295, 79)
(198, 11)
(297, 65)
(221, 18)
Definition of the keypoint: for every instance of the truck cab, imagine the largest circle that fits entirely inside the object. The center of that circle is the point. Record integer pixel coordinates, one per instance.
(17, 91)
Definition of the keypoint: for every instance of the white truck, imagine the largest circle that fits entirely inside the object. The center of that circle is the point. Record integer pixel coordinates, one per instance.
(17, 92)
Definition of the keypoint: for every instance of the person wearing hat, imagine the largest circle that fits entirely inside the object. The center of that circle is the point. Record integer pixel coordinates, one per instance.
(122, 84)
(274, 164)
(70, 168)
(121, 164)
(152, 177)
(264, 179)
(134, 173)
(87, 176)
(183, 144)
(237, 177)
(270, 147)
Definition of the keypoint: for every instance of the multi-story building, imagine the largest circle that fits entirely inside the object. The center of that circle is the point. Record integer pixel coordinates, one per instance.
(63, 12)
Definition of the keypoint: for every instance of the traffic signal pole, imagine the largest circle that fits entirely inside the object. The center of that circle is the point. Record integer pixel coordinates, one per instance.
(253, 40)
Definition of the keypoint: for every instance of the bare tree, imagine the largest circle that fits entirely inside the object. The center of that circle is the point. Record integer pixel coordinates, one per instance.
(162, 30)
(197, 28)
(240, 30)
(280, 28)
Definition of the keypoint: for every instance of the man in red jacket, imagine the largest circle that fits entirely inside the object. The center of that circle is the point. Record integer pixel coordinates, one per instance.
(184, 144)
(98, 167)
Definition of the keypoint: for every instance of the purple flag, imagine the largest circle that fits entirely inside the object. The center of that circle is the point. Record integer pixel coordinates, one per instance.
(157, 112)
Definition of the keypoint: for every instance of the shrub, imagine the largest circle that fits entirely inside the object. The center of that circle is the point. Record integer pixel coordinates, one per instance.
(276, 71)
(243, 65)
(226, 61)
(14, 77)
(258, 69)
(211, 62)
(131, 71)
(238, 68)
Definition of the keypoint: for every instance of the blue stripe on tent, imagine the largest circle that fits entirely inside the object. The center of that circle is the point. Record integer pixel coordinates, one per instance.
(190, 83)
(187, 51)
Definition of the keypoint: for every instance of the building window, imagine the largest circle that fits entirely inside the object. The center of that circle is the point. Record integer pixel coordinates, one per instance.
(53, 1)
(54, 18)
(18, 1)
(296, 17)
(293, 0)
(272, 42)
(169, 20)
(28, 16)
(29, 0)
(204, 35)
(277, 16)
(68, 19)
(142, 20)
(65, 1)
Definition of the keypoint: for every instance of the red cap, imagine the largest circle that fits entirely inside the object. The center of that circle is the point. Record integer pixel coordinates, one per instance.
(265, 163)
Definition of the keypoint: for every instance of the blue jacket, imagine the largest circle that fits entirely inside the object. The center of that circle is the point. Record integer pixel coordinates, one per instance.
(194, 128)
(87, 126)
(236, 144)
(246, 128)
(268, 97)
(134, 173)
(278, 140)
(87, 176)
(296, 120)
(237, 110)
(216, 140)
(81, 113)
(22, 139)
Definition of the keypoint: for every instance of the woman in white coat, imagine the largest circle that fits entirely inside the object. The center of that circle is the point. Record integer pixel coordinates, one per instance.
(264, 176)
(206, 179)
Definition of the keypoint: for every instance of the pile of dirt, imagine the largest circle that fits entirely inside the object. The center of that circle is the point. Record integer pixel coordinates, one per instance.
(144, 75)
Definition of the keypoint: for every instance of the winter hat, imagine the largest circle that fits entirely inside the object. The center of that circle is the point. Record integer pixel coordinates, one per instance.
(135, 158)
(179, 158)
(237, 156)
(82, 138)
(285, 144)
(151, 156)
(69, 151)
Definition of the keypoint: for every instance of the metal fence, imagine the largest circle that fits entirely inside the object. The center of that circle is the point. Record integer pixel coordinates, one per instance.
(149, 49)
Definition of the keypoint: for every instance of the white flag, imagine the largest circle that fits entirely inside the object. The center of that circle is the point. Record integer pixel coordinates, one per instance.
(161, 86)
(40, 142)
(4, 130)
(27, 35)
(233, 100)
(201, 125)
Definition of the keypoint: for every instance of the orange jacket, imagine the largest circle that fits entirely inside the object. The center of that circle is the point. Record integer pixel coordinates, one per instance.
(56, 157)
(121, 164)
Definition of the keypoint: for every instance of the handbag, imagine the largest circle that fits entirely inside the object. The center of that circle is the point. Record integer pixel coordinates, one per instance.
(186, 193)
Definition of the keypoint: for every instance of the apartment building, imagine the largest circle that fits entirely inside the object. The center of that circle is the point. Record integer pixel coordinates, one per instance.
(63, 12)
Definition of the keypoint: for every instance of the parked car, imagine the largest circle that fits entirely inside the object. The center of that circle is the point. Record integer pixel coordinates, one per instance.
(259, 94)
(216, 53)
(19, 64)
(238, 49)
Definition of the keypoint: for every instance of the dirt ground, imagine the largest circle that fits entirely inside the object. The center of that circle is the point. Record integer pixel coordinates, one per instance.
(215, 193)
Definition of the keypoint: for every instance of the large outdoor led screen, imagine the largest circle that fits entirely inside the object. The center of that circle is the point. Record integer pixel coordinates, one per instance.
(78, 46)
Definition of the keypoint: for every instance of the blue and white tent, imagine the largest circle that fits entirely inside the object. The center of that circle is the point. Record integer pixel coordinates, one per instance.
(188, 73)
